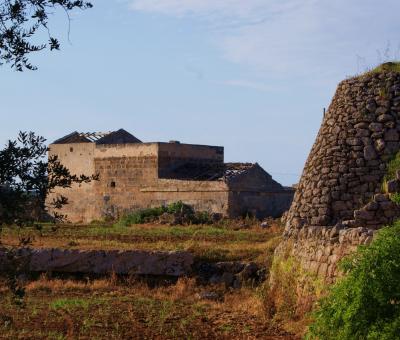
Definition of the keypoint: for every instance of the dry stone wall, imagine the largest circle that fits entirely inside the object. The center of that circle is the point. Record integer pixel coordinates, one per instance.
(339, 202)
(137, 262)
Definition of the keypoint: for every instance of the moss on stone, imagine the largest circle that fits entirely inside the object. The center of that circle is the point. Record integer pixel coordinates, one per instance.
(292, 291)
(392, 167)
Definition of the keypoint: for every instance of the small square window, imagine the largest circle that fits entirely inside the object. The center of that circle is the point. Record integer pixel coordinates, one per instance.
(112, 184)
(71, 149)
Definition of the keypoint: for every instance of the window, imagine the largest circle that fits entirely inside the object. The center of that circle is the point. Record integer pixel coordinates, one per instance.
(112, 185)
(71, 149)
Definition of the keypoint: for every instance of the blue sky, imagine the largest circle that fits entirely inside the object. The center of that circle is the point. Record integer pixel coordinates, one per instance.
(251, 75)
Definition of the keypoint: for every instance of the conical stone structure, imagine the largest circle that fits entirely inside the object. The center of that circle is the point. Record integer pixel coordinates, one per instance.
(339, 202)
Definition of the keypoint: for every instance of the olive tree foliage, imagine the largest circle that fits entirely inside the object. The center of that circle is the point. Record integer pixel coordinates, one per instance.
(26, 180)
(20, 23)
(27, 177)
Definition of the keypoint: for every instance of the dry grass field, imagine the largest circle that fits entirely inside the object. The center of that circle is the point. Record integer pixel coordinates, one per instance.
(207, 242)
(131, 308)
(105, 309)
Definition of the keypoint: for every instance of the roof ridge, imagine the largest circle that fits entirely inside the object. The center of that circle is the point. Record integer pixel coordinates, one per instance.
(120, 136)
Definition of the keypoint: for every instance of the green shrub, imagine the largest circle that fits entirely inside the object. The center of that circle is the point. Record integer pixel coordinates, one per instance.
(177, 207)
(141, 216)
(202, 217)
(365, 304)
(184, 212)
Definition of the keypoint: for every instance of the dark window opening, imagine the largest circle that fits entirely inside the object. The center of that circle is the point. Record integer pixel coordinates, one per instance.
(112, 184)
(71, 149)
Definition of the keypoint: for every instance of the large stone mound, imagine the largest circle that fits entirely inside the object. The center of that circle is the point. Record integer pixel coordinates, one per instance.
(339, 201)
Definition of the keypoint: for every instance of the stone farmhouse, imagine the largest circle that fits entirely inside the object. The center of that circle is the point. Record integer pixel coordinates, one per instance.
(135, 175)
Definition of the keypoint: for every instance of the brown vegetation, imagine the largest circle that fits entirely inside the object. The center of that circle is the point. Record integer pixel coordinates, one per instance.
(239, 241)
(130, 308)
(111, 309)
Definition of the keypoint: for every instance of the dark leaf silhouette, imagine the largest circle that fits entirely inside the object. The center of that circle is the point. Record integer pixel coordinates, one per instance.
(27, 178)
(21, 21)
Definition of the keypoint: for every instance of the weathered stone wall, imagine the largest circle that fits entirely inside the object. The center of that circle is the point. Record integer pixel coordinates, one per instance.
(79, 159)
(121, 179)
(258, 194)
(132, 262)
(173, 155)
(136, 175)
(137, 186)
(259, 204)
(211, 196)
(129, 179)
(338, 203)
(87, 202)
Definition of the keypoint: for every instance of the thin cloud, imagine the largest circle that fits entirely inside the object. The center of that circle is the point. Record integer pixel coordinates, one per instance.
(282, 38)
(249, 84)
(226, 8)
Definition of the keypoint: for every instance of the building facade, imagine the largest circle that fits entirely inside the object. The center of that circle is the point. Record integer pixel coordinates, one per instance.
(135, 175)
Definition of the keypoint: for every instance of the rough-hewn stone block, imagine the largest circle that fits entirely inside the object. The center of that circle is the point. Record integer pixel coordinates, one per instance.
(138, 262)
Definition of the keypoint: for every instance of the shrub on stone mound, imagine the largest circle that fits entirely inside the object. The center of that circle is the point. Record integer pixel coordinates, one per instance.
(391, 66)
(365, 304)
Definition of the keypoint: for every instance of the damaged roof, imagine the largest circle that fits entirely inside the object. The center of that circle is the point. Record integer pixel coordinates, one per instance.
(211, 172)
(113, 137)
(254, 176)
(233, 170)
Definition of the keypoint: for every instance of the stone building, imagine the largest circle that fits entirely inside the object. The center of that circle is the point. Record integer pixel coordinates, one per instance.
(135, 175)
(341, 201)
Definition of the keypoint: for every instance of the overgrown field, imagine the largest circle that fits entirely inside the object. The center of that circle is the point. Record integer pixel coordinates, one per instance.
(206, 242)
(128, 308)
(106, 309)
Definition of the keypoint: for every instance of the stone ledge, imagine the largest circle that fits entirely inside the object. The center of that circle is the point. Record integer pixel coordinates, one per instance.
(137, 262)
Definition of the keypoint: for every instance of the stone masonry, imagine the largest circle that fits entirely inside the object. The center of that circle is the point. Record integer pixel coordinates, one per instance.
(125, 262)
(135, 175)
(339, 202)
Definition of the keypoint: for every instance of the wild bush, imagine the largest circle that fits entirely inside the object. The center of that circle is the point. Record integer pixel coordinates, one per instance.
(184, 213)
(142, 216)
(179, 207)
(365, 304)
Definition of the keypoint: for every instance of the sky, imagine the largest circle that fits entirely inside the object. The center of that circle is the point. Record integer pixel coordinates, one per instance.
(251, 75)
